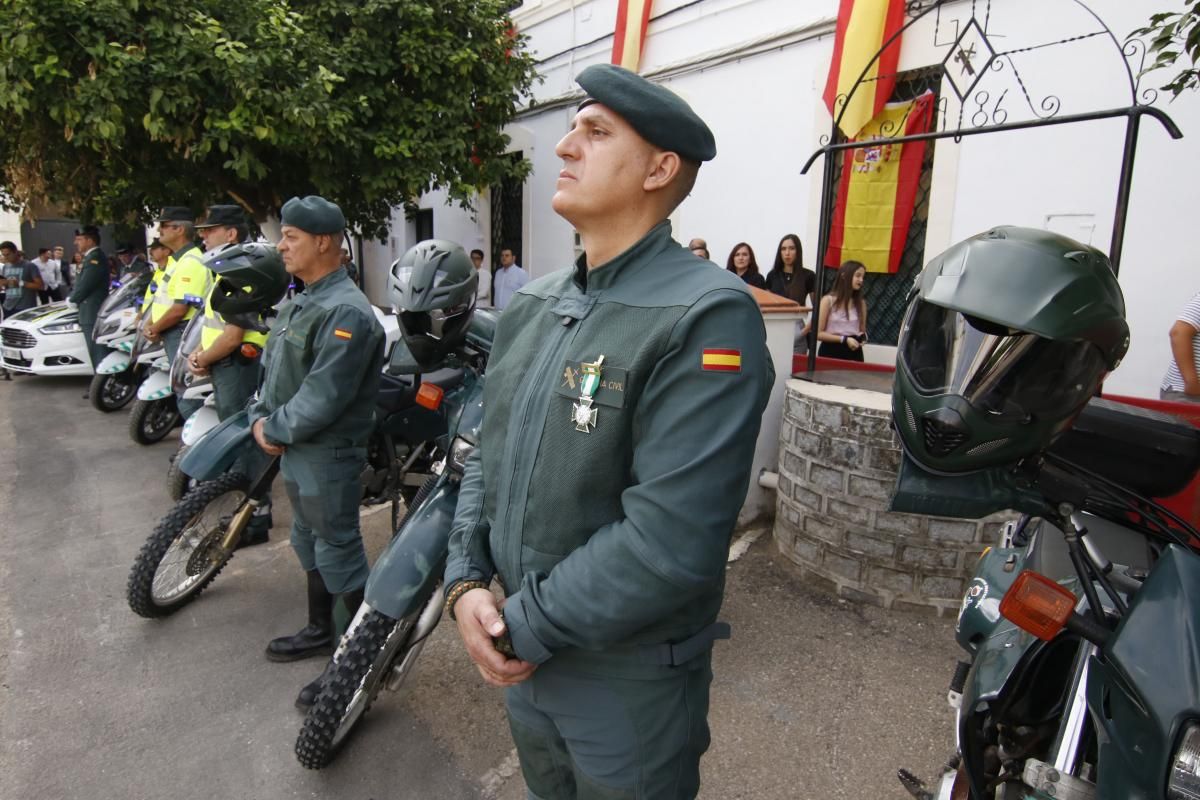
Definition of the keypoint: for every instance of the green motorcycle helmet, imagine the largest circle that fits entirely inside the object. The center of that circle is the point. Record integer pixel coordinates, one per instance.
(1006, 337)
(250, 279)
(432, 289)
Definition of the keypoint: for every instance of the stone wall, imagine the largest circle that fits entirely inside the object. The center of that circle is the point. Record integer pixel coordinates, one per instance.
(838, 460)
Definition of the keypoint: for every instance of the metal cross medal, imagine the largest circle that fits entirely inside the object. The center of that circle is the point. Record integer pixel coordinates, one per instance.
(582, 413)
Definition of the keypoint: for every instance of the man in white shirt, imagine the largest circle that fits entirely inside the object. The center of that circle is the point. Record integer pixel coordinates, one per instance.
(51, 276)
(508, 280)
(1182, 381)
(483, 290)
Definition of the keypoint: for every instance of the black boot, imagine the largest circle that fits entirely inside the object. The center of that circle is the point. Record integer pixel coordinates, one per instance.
(258, 529)
(315, 638)
(345, 606)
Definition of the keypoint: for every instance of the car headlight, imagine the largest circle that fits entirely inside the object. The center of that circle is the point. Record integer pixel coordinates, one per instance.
(61, 327)
(1184, 781)
(460, 451)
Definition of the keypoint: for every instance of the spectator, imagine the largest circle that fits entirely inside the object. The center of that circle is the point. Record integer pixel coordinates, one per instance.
(742, 263)
(788, 278)
(1182, 381)
(64, 277)
(698, 244)
(508, 280)
(350, 267)
(51, 277)
(76, 265)
(842, 328)
(484, 287)
(22, 282)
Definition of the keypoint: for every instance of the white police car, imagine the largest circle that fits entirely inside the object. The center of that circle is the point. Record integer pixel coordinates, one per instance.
(45, 340)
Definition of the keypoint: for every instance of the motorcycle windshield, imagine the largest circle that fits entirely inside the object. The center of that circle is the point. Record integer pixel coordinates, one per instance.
(181, 378)
(128, 295)
(1005, 373)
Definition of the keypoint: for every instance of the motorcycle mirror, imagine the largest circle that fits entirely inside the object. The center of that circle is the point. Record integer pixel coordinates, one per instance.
(430, 396)
(1038, 605)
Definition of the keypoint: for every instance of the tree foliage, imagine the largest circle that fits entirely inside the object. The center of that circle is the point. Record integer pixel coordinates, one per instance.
(1171, 36)
(115, 107)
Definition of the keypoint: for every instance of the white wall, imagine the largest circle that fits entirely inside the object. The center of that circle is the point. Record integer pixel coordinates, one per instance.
(10, 227)
(755, 69)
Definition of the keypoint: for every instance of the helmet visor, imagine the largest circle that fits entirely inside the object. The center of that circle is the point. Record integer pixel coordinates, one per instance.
(1000, 372)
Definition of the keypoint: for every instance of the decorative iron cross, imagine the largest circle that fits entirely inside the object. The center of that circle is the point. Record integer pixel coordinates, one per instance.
(964, 57)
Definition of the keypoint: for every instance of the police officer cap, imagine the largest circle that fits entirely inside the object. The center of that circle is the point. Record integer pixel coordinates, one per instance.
(658, 114)
(313, 214)
(125, 249)
(91, 231)
(227, 216)
(176, 214)
(156, 243)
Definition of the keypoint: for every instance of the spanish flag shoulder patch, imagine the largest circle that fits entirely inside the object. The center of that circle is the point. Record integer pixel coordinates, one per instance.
(721, 360)
(342, 333)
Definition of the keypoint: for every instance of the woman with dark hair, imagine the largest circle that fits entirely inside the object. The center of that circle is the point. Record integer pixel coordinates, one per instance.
(842, 328)
(788, 277)
(742, 263)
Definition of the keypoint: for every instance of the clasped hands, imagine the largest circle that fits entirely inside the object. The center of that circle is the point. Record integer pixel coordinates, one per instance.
(478, 617)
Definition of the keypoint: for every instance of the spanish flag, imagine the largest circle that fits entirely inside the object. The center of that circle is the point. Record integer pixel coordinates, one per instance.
(878, 190)
(633, 16)
(721, 360)
(863, 26)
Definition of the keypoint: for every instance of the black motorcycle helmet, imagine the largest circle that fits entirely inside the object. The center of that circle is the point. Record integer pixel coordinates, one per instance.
(250, 279)
(432, 288)
(1006, 337)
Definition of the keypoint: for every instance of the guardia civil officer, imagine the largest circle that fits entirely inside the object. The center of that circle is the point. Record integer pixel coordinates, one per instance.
(622, 406)
(91, 287)
(317, 409)
(231, 346)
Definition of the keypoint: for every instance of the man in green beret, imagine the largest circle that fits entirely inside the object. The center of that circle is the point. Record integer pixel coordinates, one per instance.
(622, 403)
(91, 287)
(316, 408)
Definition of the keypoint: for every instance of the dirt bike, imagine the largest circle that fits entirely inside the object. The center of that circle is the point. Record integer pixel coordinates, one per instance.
(1082, 628)
(403, 596)
(194, 541)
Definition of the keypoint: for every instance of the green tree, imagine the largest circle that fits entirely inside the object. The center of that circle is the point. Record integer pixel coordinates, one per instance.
(115, 107)
(1171, 36)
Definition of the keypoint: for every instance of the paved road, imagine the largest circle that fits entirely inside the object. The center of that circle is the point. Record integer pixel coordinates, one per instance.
(813, 698)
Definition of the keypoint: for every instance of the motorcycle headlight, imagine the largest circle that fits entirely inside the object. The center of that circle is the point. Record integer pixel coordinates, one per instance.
(61, 327)
(1184, 781)
(460, 451)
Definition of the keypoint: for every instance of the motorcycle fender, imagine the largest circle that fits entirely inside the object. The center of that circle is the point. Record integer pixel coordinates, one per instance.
(413, 562)
(113, 363)
(213, 455)
(156, 386)
(198, 424)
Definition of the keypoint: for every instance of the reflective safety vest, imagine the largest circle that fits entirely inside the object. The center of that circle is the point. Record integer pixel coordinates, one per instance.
(187, 280)
(156, 280)
(214, 326)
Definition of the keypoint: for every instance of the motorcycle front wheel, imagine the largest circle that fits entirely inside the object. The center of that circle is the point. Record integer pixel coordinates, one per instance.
(378, 648)
(112, 392)
(183, 554)
(151, 420)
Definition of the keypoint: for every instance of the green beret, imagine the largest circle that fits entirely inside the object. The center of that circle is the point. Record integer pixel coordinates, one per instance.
(313, 214)
(661, 117)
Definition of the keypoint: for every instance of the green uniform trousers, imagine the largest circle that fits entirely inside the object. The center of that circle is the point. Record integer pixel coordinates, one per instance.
(588, 737)
(234, 382)
(324, 487)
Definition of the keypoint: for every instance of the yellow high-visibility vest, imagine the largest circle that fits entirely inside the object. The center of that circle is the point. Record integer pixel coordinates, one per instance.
(187, 281)
(214, 326)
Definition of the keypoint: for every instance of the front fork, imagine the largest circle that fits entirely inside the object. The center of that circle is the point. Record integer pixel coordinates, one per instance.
(254, 496)
(431, 614)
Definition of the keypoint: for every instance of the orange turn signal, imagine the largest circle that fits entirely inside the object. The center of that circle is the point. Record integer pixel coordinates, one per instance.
(430, 396)
(1037, 604)
(251, 350)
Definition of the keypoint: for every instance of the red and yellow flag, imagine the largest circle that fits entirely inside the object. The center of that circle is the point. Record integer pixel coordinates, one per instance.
(863, 26)
(878, 190)
(721, 360)
(633, 16)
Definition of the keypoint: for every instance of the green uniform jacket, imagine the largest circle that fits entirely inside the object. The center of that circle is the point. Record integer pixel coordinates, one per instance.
(322, 369)
(91, 287)
(617, 537)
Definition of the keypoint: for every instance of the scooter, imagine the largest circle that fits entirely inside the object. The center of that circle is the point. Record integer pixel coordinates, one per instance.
(403, 597)
(154, 414)
(1082, 628)
(190, 388)
(117, 376)
(195, 540)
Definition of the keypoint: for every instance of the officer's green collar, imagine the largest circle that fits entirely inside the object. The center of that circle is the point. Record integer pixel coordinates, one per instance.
(605, 275)
(185, 249)
(325, 281)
